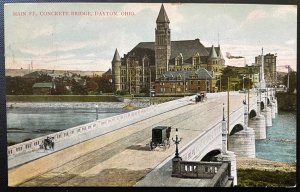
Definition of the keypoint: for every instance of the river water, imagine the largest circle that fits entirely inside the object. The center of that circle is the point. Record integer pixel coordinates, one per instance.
(29, 121)
(32, 121)
(280, 144)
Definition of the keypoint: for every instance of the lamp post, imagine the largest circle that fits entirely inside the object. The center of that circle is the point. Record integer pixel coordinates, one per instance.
(176, 141)
(150, 86)
(220, 83)
(243, 82)
(96, 111)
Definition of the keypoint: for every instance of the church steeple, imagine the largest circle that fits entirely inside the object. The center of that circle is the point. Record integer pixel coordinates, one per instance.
(162, 16)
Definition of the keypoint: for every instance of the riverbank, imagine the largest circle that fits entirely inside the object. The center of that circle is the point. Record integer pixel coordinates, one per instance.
(61, 98)
(286, 101)
(253, 172)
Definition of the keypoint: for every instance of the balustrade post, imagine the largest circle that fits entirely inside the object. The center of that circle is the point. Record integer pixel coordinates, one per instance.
(224, 134)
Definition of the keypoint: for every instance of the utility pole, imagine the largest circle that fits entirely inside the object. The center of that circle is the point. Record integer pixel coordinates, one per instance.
(220, 84)
(248, 94)
(228, 89)
(183, 84)
(150, 85)
(288, 81)
(243, 82)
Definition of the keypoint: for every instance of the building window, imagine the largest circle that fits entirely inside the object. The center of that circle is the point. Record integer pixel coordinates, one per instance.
(179, 59)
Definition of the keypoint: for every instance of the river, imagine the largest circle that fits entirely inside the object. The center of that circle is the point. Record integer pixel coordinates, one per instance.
(280, 144)
(31, 120)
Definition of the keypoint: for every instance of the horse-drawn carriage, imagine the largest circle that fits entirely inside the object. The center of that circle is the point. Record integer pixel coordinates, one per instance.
(200, 96)
(48, 143)
(160, 137)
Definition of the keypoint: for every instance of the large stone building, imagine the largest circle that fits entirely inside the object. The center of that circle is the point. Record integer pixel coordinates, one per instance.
(185, 82)
(148, 62)
(269, 67)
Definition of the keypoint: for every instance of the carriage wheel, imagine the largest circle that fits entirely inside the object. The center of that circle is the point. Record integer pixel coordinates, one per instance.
(168, 143)
(165, 145)
(151, 146)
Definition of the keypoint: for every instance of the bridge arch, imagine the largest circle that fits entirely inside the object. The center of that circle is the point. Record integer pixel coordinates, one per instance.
(252, 114)
(210, 156)
(236, 128)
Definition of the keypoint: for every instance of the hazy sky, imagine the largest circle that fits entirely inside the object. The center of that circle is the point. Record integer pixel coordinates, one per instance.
(88, 42)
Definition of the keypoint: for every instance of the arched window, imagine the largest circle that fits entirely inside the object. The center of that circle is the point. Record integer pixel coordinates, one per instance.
(196, 59)
(179, 59)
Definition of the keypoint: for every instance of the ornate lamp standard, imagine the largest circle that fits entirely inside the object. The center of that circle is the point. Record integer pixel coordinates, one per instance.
(244, 82)
(176, 141)
(176, 160)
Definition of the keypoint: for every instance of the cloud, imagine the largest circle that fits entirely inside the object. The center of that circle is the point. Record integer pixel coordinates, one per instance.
(91, 55)
(256, 15)
(282, 11)
(290, 42)
(172, 10)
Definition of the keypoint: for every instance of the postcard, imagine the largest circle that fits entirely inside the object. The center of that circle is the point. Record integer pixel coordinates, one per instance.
(150, 94)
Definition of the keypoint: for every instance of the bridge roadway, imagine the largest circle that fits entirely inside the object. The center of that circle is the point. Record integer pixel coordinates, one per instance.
(122, 157)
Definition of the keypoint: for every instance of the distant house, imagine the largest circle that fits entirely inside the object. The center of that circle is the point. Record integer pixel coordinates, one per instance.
(43, 88)
(108, 74)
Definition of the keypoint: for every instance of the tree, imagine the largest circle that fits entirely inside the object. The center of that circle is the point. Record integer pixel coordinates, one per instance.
(19, 85)
(227, 72)
(247, 83)
(60, 87)
(91, 86)
(104, 84)
(44, 78)
(78, 89)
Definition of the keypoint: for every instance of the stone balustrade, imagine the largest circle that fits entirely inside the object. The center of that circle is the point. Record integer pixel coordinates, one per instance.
(218, 172)
(221, 178)
(198, 169)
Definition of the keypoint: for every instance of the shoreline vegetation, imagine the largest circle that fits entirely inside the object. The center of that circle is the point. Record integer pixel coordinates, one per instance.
(254, 172)
(61, 98)
(286, 101)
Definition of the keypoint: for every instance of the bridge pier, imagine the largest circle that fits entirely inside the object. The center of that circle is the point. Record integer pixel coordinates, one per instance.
(258, 123)
(242, 143)
(268, 115)
(276, 105)
(231, 157)
(272, 109)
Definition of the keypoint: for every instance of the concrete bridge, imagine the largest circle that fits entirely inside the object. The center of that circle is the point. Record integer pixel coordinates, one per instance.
(104, 152)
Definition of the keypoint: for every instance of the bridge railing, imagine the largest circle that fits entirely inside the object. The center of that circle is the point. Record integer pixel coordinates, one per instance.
(121, 120)
(198, 169)
(36, 143)
(221, 177)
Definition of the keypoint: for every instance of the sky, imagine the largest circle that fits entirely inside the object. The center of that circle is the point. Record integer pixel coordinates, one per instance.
(84, 37)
